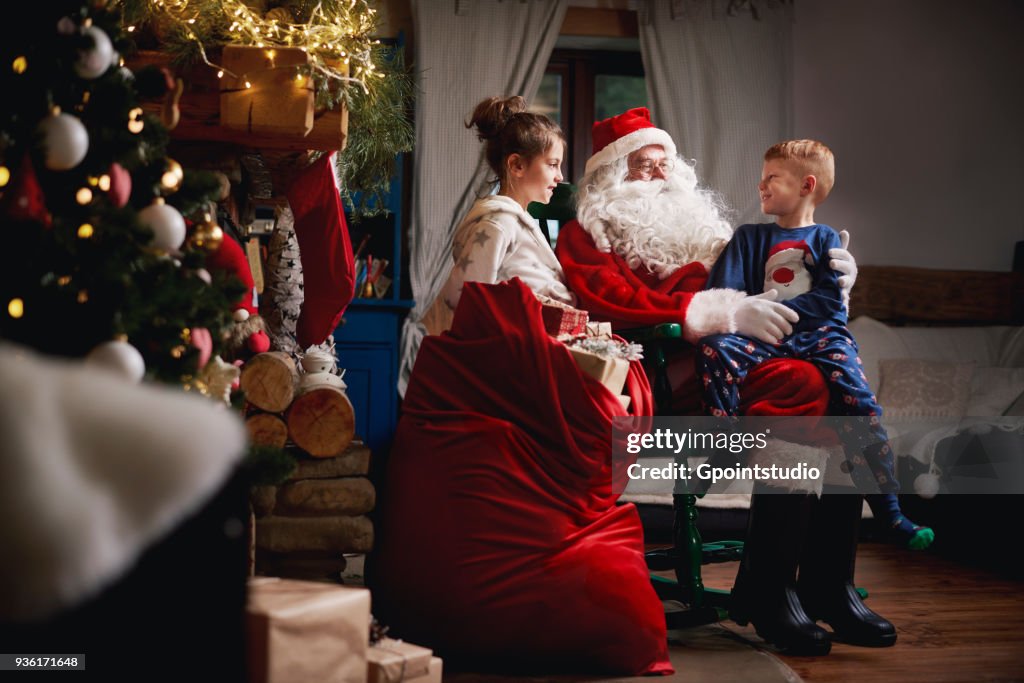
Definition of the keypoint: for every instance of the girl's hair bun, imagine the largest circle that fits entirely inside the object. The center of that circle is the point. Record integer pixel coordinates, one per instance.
(493, 114)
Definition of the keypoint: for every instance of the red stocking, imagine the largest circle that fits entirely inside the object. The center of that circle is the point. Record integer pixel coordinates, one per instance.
(327, 268)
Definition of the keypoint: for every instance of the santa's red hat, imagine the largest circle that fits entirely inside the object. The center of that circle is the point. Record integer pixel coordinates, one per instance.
(789, 251)
(249, 330)
(231, 258)
(620, 136)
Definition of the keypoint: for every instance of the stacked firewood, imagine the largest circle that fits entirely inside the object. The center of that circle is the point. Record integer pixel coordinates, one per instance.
(306, 525)
(311, 410)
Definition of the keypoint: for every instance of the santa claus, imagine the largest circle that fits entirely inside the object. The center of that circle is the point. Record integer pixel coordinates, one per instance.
(638, 254)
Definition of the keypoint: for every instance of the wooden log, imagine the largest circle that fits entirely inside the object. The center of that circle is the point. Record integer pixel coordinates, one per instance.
(321, 421)
(269, 381)
(267, 429)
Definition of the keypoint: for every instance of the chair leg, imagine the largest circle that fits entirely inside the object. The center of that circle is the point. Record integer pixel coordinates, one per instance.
(689, 548)
(662, 388)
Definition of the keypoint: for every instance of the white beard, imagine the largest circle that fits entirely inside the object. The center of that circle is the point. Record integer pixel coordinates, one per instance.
(659, 224)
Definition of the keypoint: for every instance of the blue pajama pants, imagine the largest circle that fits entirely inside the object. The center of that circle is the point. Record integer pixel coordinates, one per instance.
(723, 361)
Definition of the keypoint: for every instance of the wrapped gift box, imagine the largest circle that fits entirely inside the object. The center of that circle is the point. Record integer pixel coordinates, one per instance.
(306, 631)
(395, 661)
(599, 330)
(560, 319)
(610, 372)
(274, 101)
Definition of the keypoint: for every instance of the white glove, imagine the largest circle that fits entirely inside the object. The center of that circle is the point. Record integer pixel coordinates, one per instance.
(761, 317)
(843, 261)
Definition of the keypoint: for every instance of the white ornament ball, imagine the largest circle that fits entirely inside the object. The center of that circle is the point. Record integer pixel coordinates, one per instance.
(926, 485)
(167, 225)
(204, 275)
(93, 62)
(120, 357)
(64, 140)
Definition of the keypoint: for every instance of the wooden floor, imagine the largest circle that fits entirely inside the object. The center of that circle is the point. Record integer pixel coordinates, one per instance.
(954, 624)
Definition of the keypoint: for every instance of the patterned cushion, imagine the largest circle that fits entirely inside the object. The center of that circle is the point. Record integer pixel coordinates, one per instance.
(913, 388)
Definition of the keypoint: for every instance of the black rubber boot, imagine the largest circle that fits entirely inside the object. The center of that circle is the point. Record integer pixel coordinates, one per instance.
(826, 586)
(765, 591)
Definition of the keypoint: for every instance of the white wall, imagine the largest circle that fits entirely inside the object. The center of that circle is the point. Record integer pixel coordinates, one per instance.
(922, 102)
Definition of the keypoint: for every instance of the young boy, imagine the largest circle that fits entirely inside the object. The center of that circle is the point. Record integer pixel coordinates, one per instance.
(790, 257)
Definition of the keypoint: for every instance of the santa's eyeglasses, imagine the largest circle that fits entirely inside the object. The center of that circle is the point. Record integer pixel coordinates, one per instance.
(647, 167)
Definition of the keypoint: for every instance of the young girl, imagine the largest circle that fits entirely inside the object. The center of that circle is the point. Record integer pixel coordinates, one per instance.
(498, 239)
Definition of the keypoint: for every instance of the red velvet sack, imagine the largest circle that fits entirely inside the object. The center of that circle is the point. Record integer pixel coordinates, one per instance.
(500, 540)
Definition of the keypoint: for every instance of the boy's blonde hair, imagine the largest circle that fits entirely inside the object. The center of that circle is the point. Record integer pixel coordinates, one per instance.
(814, 158)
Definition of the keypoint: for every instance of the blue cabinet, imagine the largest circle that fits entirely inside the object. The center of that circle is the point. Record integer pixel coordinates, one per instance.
(367, 343)
(368, 339)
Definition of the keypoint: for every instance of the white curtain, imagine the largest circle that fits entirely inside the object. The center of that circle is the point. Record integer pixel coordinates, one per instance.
(466, 50)
(721, 85)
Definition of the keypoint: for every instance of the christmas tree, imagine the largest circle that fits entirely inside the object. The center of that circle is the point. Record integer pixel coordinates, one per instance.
(100, 262)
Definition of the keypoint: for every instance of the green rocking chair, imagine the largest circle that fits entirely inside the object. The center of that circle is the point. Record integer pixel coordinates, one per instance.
(688, 553)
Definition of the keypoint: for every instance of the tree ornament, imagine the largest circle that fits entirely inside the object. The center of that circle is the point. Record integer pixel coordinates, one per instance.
(220, 378)
(64, 140)
(94, 61)
(23, 199)
(66, 26)
(170, 181)
(120, 185)
(120, 357)
(166, 223)
(201, 339)
(206, 236)
(170, 112)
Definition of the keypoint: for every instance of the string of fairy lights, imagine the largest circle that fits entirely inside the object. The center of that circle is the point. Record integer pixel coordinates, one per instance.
(338, 41)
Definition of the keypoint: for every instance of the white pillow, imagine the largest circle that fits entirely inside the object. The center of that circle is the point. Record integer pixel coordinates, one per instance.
(876, 341)
(994, 390)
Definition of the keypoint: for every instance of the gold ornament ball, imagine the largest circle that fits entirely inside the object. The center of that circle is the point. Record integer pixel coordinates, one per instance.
(170, 181)
(207, 236)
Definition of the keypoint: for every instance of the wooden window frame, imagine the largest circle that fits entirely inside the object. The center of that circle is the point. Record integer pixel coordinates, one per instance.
(579, 70)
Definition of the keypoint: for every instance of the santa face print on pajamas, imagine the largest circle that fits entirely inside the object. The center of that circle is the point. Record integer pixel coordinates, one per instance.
(787, 269)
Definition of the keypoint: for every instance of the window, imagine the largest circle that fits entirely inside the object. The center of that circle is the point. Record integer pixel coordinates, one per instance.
(583, 86)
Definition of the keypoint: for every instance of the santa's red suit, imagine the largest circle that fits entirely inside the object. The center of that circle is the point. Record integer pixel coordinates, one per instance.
(638, 256)
(610, 290)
